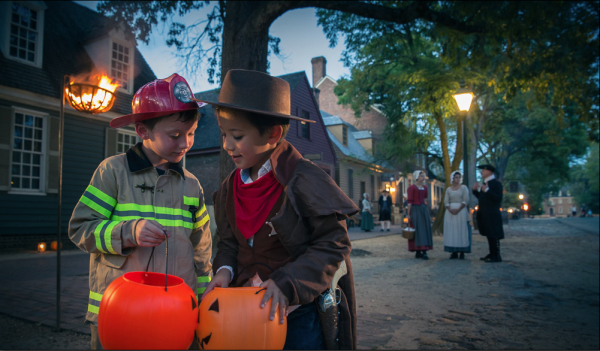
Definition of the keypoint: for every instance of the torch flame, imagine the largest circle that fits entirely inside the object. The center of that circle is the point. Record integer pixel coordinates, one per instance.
(106, 83)
(102, 97)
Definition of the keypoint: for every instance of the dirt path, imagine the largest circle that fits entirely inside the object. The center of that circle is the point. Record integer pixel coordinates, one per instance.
(543, 296)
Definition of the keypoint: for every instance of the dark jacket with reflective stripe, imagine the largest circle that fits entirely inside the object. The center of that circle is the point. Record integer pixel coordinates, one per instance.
(120, 194)
(310, 224)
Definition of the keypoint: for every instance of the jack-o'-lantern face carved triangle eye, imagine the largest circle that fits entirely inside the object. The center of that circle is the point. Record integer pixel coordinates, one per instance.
(214, 306)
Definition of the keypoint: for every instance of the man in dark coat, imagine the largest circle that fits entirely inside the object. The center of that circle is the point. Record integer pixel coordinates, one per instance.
(489, 217)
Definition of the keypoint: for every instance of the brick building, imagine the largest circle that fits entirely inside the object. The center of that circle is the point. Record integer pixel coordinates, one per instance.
(373, 120)
(560, 204)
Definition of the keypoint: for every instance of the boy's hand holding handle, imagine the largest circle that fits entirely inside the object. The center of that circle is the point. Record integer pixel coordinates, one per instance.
(150, 233)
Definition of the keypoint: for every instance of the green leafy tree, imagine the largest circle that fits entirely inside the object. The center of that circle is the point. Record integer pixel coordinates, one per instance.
(584, 177)
(519, 47)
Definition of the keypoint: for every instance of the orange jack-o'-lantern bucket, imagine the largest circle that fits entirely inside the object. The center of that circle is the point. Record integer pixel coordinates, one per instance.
(231, 319)
(137, 311)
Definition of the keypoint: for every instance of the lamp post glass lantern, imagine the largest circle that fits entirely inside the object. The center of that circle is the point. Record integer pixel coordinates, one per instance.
(463, 97)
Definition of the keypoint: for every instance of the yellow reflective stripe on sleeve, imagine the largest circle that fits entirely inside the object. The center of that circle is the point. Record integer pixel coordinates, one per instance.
(102, 196)
(95, 296)
(191, 201)
(94, 206)
(98, 201)
(94, 302)
(203, 214)
(93, 309)
(97, 236)
(204, 279)
(108, 237)
(202, 283)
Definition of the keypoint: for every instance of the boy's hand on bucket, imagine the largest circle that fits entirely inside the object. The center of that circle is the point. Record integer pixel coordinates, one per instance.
(279, 300)
(221, 280)
(150, 233)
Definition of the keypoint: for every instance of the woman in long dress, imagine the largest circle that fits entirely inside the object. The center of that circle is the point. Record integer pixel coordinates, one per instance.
(457, 236)
(418, 212)
(366, 222)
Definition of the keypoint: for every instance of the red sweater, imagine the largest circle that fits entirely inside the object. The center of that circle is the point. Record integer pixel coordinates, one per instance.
(417, 196)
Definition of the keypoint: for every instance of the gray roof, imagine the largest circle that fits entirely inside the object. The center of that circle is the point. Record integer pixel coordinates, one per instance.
(362, 134)
(354, 149)
(207, 134)
(67, 27)
(325, 114)
(293, 79)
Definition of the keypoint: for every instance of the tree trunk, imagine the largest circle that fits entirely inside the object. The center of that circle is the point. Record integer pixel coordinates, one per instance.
(438, 224)
(245, 46)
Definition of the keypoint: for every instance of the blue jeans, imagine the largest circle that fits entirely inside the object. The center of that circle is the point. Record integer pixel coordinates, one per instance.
(304, 329)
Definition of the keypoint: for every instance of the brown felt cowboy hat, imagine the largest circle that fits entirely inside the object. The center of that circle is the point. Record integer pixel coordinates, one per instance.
(255, 92)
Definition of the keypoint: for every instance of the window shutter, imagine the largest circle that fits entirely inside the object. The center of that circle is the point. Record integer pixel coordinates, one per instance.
(110, 145)
(52, 156)
(5, 120)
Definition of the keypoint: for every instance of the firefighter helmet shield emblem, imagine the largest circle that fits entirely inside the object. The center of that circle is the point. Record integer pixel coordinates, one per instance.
(182, 92)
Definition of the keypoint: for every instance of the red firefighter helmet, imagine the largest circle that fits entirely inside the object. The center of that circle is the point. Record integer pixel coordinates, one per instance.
(161, 97)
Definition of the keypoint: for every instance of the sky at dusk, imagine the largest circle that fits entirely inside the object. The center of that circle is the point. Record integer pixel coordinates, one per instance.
(301, 40)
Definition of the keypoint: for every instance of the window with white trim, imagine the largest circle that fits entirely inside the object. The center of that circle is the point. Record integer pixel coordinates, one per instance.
(560, 210)
(126, 140)
(24, 38)
(120, 64)
(28, 152)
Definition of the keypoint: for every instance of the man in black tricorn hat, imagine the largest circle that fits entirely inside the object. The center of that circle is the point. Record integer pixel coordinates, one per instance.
(489, 217)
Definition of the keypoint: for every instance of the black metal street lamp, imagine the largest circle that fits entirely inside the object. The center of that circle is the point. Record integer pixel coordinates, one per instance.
(463, 97)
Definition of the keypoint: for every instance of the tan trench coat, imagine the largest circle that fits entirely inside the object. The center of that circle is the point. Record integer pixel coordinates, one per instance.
(104, 220)
(311, 226)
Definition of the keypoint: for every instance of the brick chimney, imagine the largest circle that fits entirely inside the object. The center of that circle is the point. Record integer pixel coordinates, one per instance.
(318, 69)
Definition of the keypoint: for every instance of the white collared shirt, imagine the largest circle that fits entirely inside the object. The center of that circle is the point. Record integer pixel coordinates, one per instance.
(264, 169)
(487, 180)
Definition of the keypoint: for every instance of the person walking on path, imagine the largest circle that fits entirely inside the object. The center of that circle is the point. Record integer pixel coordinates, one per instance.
(385, 210)
(366, 222)
(457, 236)
(489, 217)
(419, 217)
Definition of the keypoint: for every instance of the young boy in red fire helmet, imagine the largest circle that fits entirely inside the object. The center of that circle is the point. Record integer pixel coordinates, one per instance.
(280, 217)
(138, 200)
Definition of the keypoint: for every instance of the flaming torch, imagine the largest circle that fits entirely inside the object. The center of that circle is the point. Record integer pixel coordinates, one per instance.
(95, 95)
(92, 98)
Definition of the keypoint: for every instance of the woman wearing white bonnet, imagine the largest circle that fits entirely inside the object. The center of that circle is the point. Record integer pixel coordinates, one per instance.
(366, 222)
(418, 212)
(457, 236)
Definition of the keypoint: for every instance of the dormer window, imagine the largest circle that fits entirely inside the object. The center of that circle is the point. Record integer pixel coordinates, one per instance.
(24, 30)
(121, 65)
(345, 136)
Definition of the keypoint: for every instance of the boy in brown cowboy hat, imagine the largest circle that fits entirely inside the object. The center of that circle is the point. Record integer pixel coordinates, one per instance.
(280, 218)
(138, 200)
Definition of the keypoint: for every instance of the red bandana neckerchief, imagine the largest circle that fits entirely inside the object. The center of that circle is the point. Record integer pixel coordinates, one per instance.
(254, 201)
